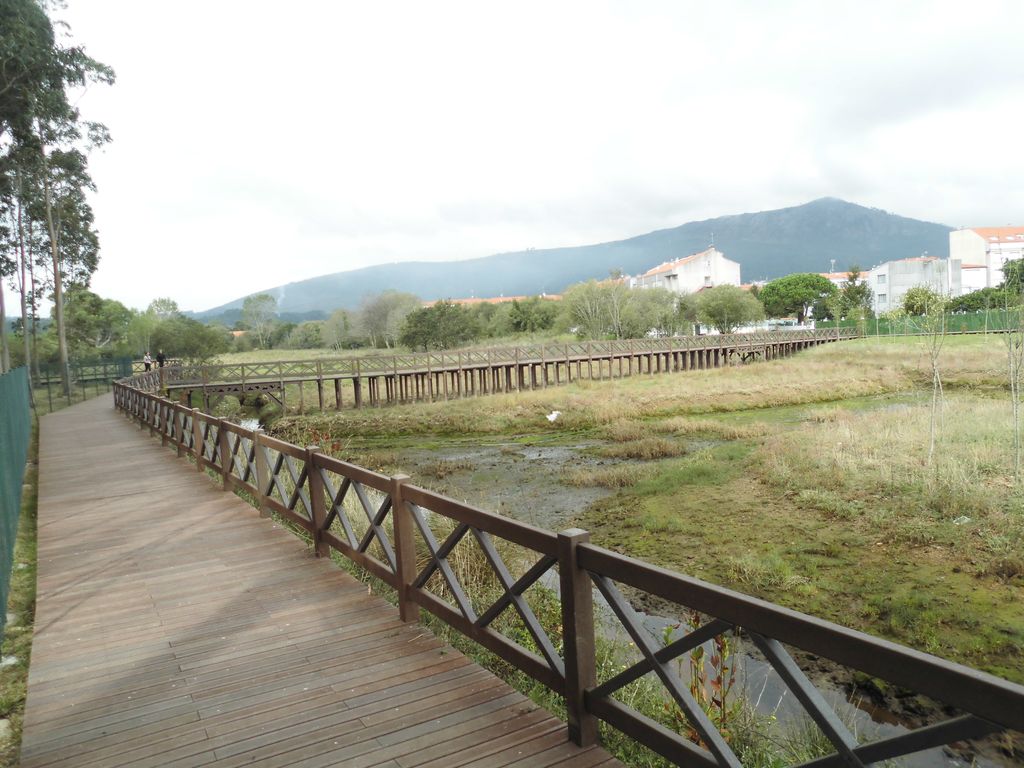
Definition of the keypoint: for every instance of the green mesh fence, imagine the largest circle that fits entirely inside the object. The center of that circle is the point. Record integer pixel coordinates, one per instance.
(15, 430)
(983, 321)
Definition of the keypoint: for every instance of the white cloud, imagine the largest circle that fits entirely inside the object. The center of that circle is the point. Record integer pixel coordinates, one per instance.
(258, 143)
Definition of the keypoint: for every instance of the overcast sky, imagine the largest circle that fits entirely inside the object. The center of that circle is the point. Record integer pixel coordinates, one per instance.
(258, 143)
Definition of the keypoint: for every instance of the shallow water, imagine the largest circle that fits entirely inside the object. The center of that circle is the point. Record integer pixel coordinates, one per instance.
(523, 482)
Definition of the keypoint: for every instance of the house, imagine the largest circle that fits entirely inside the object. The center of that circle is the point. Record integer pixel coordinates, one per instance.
(890, 281)
(838, 279)
(973, 277)
(988, 246)
(691, 273)
(472, 302)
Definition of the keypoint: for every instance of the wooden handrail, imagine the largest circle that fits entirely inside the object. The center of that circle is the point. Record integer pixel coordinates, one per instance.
(384, 524)
(384, 365)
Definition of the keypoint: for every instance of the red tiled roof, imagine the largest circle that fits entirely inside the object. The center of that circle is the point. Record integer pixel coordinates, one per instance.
(1000, 234)
(494, 300)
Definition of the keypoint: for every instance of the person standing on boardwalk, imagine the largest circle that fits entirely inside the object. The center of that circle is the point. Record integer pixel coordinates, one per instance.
(161, 358)
(147, 362)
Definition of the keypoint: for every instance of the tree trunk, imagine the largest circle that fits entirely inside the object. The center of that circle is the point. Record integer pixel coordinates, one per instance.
(35, 303)
(26, 341)
(5, 353)
(58, 290)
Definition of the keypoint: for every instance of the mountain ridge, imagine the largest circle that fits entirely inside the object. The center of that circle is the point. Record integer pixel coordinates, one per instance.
(767, 244)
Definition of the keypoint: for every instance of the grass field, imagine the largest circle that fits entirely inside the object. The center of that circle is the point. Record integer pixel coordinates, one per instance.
(803, 480)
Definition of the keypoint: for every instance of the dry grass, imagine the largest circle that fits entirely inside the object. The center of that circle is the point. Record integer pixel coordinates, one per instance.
(646, 449)
(686, 426)
(873, 467)
(824, 374)
(620, 431)
(617, 476)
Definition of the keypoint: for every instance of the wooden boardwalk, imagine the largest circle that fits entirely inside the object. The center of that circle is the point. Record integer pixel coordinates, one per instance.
(175, 627)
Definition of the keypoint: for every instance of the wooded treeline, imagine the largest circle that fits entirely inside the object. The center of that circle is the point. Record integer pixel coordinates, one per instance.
(103, 328)
(48, 242)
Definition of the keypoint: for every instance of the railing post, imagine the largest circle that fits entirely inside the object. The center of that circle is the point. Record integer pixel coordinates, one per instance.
(318, 513)
(224, 451)
(262, 473)
(179, 423)
(165, 408)
(578, 632)
(197, 439)
(405, 550)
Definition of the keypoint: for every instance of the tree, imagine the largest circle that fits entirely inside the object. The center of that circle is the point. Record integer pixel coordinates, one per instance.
(1012, 289)
(338, 330)
(795, 294)
(163, 308)
(583, 304)
(381, 316)
(854, 294)
(920, 300)
(192, 341)
(94, 325)
(40, 129)
(979, 301)
(650, 310)
(443, 325)
(259, 313)
(307, 335)
(727, 307)
(531, 315)
(140, 331)
(1013, 277)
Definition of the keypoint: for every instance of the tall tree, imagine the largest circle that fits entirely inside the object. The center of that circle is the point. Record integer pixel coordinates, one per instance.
(921, 300)
(444, 325)
(795, 294)
(583, 304)
(382, 315)
(1013, 277)
(727, 307)
(94, 325)
(259, 314)
(339, 330)
(41, 130)
(163, 308)
(854, 293)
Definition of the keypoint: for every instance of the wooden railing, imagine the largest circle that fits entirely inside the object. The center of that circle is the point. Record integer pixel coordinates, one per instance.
(411, 539)
(383, 365)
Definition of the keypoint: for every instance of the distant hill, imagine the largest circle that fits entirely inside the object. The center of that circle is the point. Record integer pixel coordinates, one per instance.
(768, 244)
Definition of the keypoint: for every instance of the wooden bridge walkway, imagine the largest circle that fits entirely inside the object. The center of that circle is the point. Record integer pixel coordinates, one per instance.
(175, 627)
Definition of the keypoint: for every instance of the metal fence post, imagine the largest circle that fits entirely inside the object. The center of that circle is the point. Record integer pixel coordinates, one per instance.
(578, 632)
(405, 550)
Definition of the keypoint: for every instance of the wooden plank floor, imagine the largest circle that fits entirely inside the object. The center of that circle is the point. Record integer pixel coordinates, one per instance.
(174, 627)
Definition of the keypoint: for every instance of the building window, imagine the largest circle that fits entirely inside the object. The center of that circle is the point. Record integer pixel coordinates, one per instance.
(883, 298)
(881, 279)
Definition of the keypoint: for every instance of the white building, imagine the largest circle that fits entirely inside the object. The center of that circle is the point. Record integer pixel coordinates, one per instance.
(973, 277)
(891, 281)
(691, 273)
(990, 247)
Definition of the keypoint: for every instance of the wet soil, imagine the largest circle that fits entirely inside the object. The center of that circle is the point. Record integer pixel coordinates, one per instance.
(518, 480)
